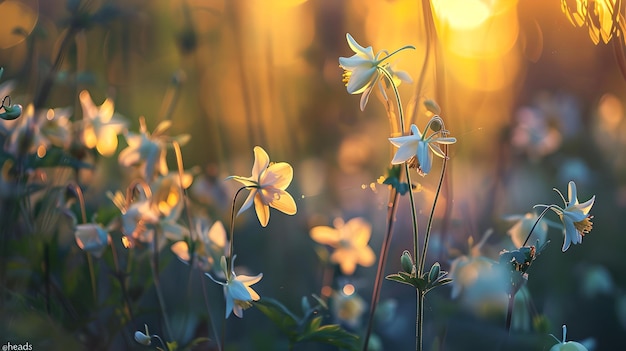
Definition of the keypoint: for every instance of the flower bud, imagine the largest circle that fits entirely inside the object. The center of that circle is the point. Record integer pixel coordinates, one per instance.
(406, 262)
(434, 272)
(11, 112)
(432, 106)
(144, 339)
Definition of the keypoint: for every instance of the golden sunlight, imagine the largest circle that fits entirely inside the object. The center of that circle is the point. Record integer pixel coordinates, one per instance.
(462, 14)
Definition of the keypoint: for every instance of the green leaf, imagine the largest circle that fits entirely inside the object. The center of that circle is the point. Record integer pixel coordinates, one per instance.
(284, 319)
(332, 334)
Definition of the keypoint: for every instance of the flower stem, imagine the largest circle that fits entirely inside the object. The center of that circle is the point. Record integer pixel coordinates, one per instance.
(157, 284)
(391, 213)
(395, 52)
(509, 311)
(419, 320)
(394, 196)
(232, 234)
(541, 215)
(432, 212)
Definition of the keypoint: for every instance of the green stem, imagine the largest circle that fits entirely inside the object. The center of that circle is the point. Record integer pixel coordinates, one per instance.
(419, 336)
(432, 212)
(391, 213)
(541, 215)
(406, 168)
(232, 234)
(157, 284)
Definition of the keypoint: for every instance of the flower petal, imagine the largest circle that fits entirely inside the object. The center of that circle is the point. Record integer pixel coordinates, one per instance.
(361, 79)
(366, 257)
(365, 97)
(237, 290)
(405, 152)
(359, 230)
(246, 205)
(262, 210)
(325, 235)
(358, 48)
(570, 234)
(284, 203)
(261, 161)
(571, 193)
(250, 182)
(217, 234)
(424, 157)
(279, 175)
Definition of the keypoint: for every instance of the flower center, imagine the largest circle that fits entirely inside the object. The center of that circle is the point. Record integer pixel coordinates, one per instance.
(345, 77)
(584, 226)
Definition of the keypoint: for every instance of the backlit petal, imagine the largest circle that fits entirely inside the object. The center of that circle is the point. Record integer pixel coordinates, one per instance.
(278, 175)
(262, 211)
(261, 161)
(284, 203)
(325, 235)
(246, 205)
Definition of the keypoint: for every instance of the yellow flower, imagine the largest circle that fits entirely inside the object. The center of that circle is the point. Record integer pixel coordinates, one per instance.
(267, 186)
(100, 125)
(349, 241)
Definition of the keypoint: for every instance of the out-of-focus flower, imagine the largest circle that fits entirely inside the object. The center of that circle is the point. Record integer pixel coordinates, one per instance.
(267, 186)
(208, 249)
(604, 19)
(361, 70)
(534, 134)
(237, 291)
(92, 238)
(101, 125)
(575, 216)
(149, 150)
(596, 280)
(25, 135)
(417, 146)
(568, 345)
(478, 281)
(348, 308)
(523, 224)
(167, 190)
(350, 241)
(56, 126)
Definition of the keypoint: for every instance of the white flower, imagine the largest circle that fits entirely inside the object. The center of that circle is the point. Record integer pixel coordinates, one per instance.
(575, 216)
(237, 290)
(267, 186)
(567, 345)
(418, 145)
(361, 70)
(149, 150)
(91, 237)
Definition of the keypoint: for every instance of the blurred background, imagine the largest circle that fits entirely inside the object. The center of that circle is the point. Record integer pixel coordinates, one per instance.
(534, 99)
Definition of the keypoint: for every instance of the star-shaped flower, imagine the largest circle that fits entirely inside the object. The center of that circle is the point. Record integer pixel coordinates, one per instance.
(361, 70)
(417, 145)
(237, 291)
(350, 241)
(575, 216)
(149, 149)
(101, 125)
(207, 250)
(267, 186)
